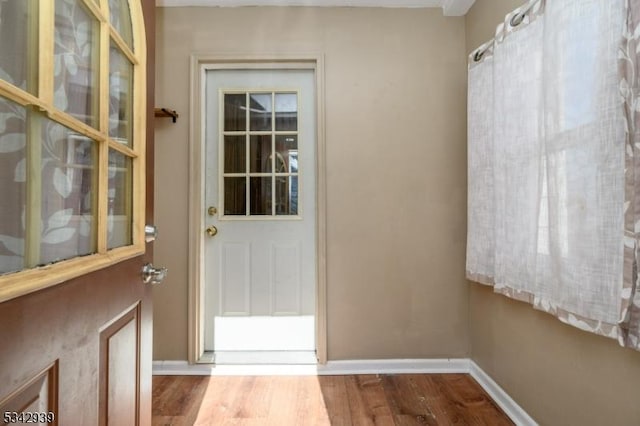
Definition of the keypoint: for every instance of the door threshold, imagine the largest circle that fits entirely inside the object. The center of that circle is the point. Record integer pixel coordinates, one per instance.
(265, 358)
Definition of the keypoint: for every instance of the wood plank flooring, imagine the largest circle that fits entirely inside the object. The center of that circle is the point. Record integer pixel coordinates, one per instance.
(408, 399)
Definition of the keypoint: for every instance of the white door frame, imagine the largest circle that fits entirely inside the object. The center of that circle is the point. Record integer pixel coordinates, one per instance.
(199, 65)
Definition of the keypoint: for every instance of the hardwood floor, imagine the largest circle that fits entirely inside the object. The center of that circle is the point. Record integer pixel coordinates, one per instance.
(408, 399)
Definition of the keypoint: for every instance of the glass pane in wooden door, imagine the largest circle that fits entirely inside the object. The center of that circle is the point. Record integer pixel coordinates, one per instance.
(120, 96)
(286, 154)
(235, 112)
(76, 61)
(286, 111)
(19, 43)
(68, 188)
(121, 20)
(260, 111)
(286, 195)
(235, 151)
(119, 219)
(260, 154)
(235, 192)
(260, 190)
(13, 188)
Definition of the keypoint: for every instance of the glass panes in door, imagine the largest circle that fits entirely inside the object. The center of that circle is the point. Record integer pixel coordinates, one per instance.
(48, 178)
(120, 17)
(68, 185)
(120, 200)
(65, 122)
(19, 43)
(76, 61)
(13, 187)
(259, 149)
(120, 96)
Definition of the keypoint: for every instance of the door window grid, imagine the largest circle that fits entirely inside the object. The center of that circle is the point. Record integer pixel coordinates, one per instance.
(58, 48)
(265, 184)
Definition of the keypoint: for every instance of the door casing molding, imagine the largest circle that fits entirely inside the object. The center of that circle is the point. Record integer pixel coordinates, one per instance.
(200, 63)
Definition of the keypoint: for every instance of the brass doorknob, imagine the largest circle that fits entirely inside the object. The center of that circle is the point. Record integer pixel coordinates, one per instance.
(212, 231)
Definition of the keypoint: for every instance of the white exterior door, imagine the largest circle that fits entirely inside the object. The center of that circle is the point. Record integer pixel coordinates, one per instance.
(260, 250)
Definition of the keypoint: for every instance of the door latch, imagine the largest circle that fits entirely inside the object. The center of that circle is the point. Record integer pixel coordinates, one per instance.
(150, 233)
(153, 275)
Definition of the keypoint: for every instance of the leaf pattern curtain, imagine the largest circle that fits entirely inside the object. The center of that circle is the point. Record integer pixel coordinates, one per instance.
(48, 172)
(66, 174)
(552, 109)
(14, 192)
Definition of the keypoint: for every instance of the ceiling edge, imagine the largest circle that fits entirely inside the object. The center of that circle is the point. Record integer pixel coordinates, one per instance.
(449, 7)
(315, 3)
(456, 7)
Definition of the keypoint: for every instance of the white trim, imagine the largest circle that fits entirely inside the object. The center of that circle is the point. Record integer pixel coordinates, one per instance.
(331, 368)
(199, 63)
(395, 366)
(500, 397)
(449, 7)
(381, 366)
(313, 3)
(183, 368)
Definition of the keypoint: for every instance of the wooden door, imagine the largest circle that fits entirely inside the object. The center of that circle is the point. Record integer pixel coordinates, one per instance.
(81, 350)
(260, 176)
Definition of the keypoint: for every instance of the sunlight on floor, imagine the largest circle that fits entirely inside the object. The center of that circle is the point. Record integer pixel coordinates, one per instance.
(264, 333)
(265, 358)
(262, 401)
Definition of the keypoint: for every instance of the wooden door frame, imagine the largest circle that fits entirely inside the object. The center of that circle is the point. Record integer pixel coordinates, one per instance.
(196, 283)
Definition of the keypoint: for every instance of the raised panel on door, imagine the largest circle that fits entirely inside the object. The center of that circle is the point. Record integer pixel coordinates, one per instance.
(38, 396)
(61, 327)
(235, 267)
(286, 283)
(119, 370)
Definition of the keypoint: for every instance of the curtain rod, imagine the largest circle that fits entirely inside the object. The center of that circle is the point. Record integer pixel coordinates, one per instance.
(516, 19)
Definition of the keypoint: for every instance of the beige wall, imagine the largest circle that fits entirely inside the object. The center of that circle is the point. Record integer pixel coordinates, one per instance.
(396, 155)
(396, 159)
(558, 374)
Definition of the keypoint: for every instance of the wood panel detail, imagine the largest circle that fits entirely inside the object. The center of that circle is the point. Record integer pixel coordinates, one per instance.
(119, 373)
(37, 395)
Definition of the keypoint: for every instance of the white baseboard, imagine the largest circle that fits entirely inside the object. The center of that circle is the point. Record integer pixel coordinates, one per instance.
(383, 366)
(183, 368)
(379, 366)
(502, 398)
(395, 366)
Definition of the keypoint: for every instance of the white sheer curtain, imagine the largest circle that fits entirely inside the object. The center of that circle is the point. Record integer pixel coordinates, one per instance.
(583, 138)
(517, 154)
(481, 242)
(546, 223)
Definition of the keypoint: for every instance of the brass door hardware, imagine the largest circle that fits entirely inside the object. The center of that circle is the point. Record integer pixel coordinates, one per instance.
(212, 231)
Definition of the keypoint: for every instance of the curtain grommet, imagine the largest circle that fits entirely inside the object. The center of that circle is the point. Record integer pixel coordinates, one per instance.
(517, 19)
